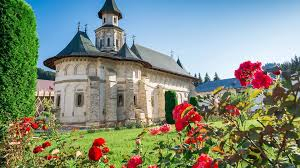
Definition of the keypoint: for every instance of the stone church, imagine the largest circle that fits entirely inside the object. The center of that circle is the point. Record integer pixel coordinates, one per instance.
(111, 83)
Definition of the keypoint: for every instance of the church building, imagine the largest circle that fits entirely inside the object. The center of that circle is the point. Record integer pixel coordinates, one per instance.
(109, 83)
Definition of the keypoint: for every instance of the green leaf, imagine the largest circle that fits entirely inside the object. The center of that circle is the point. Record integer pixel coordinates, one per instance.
(218, 90)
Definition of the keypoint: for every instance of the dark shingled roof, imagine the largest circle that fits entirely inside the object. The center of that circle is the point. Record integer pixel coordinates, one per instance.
(80, 45)
(158, 60)
(232, 83)
(179, 63)
(110, 6)
(125, 52)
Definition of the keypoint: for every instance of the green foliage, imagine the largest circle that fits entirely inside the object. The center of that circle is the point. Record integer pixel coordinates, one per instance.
(292, 66)
(19, 53)
(207, 78)
(216, 77)
(45, 75)
(194, 101)
(171, 101)
(272, 140)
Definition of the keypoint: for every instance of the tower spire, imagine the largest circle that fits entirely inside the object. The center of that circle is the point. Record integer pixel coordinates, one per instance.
(110, 7)
(78, 26)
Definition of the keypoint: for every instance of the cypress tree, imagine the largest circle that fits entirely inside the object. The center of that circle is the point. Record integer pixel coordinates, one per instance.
(170, 103)
(18, 60)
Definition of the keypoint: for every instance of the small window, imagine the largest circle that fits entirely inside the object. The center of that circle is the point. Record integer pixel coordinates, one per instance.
(117, 43)
(104, 20)
(120, 100)
(101, 43)
(58, 101)
(135, 100)
(79, 99)
(108, 42)
(115, 20)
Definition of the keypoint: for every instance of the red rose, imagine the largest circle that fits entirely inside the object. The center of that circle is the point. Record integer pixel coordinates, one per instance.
(99, 142)
(234, 111)
(45, 127)
(50, 157)
(46, 144)
(178, 110)
(112, 166)
(165, 128)
(153, 166)
(38, 149)
(95, 153)
(246, 72)
(105, 150)
(154, 131)
(204, 161)
(277, 72)
(134, 161)
(105, 160)
(261, 80)
(34, 126)
(27, 120)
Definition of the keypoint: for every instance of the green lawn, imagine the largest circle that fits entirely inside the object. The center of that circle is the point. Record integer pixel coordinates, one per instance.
(121, 142)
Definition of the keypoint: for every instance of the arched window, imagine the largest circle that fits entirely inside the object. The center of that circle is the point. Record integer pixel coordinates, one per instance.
(79, 99)
(58, 101)
(120, 100)
(104, 20)
(115, 20)
(108, 42)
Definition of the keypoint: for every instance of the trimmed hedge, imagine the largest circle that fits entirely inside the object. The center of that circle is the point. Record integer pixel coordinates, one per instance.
(194, 101)
(18, 60)
(170, 102)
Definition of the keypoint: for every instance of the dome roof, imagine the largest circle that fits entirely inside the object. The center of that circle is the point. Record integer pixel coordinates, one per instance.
(110, 6)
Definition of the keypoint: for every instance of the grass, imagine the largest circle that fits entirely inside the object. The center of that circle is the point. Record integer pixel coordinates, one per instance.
(121, 142)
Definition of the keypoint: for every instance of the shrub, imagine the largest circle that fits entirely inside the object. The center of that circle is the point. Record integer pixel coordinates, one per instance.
(18, 60)
(171, 102)
(193, 101)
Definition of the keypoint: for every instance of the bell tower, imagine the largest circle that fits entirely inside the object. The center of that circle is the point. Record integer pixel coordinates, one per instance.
(109, 37)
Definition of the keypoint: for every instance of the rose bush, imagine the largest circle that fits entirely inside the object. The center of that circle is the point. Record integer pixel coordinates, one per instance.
(259, 127)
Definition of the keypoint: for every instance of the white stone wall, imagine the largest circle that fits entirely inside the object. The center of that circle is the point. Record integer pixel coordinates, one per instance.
(101, 81)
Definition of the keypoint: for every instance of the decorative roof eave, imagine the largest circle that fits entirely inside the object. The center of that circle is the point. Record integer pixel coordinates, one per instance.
(174, 73)
(50, 63)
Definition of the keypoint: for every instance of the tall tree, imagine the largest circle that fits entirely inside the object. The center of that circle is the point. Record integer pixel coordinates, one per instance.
(206, 78)
(18, 60)
(45, 75)
(200, 79)
(216, 77)
(292, 66)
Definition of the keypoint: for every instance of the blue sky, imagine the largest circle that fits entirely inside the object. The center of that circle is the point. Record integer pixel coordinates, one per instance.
(208, 35)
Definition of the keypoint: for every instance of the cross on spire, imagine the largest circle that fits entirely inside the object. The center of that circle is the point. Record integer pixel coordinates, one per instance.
(133, 39)
(172, 53)
(85, 27)
(125, 37)
(78, 26)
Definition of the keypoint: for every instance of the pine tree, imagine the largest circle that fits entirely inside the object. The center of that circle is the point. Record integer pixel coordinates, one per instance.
(200, 79)
(216, 77)
(206, 78)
